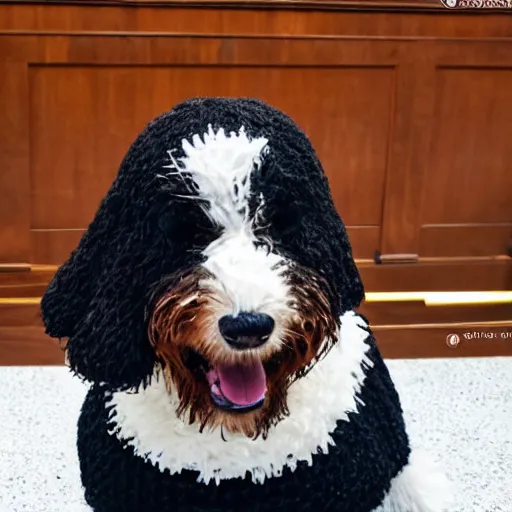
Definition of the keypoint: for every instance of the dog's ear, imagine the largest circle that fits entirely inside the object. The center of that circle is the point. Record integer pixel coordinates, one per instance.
(72, 288)
(304, 221)
(98, 299)
(325, 241)
(351, 285)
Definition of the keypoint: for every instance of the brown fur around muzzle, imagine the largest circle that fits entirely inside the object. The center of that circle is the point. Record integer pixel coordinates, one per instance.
(181, 328)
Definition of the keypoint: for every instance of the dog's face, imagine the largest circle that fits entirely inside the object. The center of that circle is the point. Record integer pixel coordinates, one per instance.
(234, 331)
(217, 258)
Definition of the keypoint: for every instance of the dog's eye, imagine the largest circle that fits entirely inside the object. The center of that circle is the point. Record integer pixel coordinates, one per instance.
(166, 222)
(194, 231)
(286, 222)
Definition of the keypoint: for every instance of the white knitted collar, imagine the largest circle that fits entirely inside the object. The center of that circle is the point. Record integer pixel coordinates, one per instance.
(147, 419)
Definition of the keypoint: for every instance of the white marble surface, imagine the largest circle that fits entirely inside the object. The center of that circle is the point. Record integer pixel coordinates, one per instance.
(460, 409)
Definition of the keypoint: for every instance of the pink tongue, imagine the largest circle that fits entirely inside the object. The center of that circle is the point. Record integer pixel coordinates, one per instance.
(243, 384)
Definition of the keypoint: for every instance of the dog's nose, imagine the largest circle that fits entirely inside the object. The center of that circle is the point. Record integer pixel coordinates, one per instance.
(246, 330)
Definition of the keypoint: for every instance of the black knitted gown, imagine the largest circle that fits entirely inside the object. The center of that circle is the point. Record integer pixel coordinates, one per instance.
(340, 442)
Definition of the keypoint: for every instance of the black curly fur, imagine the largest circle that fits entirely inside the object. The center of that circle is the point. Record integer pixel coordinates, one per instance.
(371, 448)
(144, 232)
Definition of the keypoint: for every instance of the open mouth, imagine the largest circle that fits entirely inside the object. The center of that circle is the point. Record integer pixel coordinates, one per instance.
(239, 387)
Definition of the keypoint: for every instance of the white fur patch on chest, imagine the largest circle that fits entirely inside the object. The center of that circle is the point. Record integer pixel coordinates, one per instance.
(148, 422)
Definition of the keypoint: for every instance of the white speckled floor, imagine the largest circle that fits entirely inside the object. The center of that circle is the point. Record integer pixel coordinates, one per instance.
(460, 409)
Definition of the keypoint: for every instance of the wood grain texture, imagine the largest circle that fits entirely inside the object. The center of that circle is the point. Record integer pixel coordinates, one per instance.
(174, 50)
(23, 291)
(283, 22)
(35, 275)
(487, 333)
(451, 240)
(417, 313)
(364, 240)
(373, 5)
(465, 274)
(467, 197)
(28, 346)
(20, 315)
(408, 147)
(53, 246)
(431, 341)
(405, 313)
(15, 267)
(377, 92)
(468, 179)
(14, 164)
(454, 166)
(436, 274)
(346, 135)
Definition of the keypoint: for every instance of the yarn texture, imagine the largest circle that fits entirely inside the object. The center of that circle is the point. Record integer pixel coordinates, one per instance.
(261, 233)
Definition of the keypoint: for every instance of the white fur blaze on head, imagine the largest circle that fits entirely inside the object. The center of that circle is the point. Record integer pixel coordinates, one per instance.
(246, 276)
(419, 487)
(221, 167)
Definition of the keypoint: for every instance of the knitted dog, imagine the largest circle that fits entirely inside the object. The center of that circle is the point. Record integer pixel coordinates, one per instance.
(211, 305)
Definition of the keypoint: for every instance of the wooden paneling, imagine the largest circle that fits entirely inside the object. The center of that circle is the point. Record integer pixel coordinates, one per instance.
(461, 240)
(347, 134)
(53, 246)
(409, 313)
(283, 22)
(408, 147)
(14, 164)
(470, 148)
(407, 110)
(28, 290)
(402, 329)
(20, 315)
(468, 180)
(464, 274)
(35, 275)
(484, 274)
(364, 240)
(417, 340)
(401, 5)
(346, 119)
(28, 346)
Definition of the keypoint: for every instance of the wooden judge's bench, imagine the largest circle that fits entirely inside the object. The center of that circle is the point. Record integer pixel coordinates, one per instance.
(408, 103)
